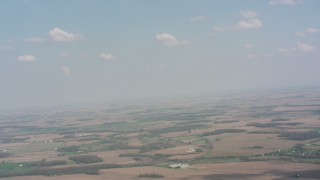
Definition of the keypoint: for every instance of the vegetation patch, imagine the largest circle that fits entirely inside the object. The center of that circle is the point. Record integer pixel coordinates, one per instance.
(264, 125)
(155, 146)
(299, 153)
(151, 175)
(279, 120)
(14, 169)
(227, 121)
(120, 145)
(68, 149)
(179, 128)
(86, 159)
(294, 123)
(5, 155)
(255, 147)
(45, 163)
(301, 136)
(222, 131)
(86, 119)
(13, 140)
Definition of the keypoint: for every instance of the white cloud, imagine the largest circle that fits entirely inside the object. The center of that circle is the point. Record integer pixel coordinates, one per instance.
(199, 18)
(249, 22)
(64, 55)
(241, 25)
(260, 56)
(248, 14)
(305, 47)
(310, 30)
(219, 29)
(66, 71)
(106, 56)
(251, 56)
(299, 46)
(285, 50)
(59, 35)
(170, 41)
(300, 34)
(35, 40)
(27, 58)
(285, 2)
(249, 46)
(6, 48)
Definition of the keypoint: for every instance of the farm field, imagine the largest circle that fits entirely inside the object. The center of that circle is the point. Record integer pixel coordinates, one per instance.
(269, 135)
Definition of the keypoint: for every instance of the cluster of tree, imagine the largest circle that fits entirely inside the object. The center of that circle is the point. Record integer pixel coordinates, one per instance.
(67, 132)
(293, 123)
(155, 146)
(5, 155)
(179, 128)
(221, 131)
(90, 138)
(87, 169)
(45, 163)
(255, 147)
(279, 119)
(151, 175)
(68, 136)
(68, 149)
(13, 140)
(86, 159)
(264, 125)
(300, 135)
(227, 121)
(120, 145)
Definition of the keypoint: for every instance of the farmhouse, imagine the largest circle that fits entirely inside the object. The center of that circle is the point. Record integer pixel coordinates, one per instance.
(182, 166)
(191, 150)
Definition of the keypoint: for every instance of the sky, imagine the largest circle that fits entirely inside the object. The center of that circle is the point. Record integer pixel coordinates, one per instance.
(87, 51)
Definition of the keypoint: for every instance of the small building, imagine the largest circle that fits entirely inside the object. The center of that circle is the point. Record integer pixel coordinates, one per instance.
(190, 150)
(182, 166)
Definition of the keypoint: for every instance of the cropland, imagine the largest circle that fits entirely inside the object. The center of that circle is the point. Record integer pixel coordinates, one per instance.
(260, 135)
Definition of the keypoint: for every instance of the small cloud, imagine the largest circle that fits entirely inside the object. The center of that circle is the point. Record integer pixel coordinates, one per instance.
(170, 41)
(6, 48)
(249, 46)
(310, 30)
(300, 34)
(59, 35)
(251, 56)
(219, 29)
(106, 56)
(35, 40)
(241, 25)
(286, 50)
(27, 58)
(249, 22)
(302, 47)
(199, 18)
(260, 56)
(285, 2)
(64, 55)
(305, 47)
(248, 14)
(66, 71)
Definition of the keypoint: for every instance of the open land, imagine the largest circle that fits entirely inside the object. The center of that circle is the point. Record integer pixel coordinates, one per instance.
(269, 135)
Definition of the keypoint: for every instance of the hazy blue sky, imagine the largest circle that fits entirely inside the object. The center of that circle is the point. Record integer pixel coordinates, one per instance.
(80, 51)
